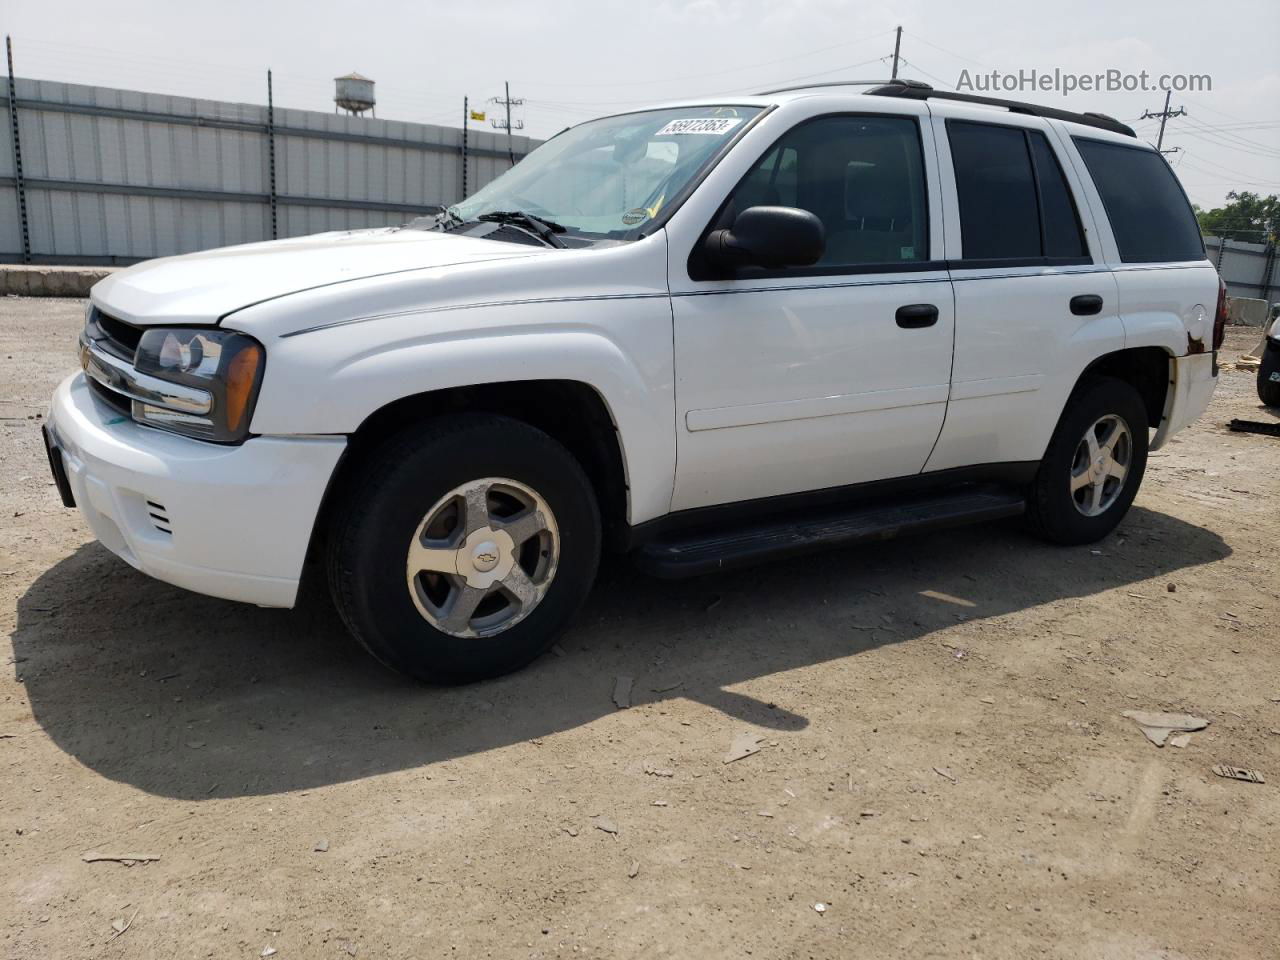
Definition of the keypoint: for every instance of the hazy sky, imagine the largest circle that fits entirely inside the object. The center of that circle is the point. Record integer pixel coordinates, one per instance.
(572, 60)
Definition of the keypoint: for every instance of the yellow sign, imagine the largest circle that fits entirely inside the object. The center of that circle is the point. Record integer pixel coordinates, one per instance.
(477, 115)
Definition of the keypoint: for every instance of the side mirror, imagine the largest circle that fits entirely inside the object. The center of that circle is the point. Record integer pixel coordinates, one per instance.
(768, 237)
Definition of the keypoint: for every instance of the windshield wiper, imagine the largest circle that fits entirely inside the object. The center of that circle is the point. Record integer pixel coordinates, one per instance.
(544, 230)
(446, 219)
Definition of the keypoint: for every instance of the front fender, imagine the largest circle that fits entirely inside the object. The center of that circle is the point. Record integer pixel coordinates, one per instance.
(332, 379)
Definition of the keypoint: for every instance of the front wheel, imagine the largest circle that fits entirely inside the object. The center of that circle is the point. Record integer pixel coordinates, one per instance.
(465, 548)
(1093, 466)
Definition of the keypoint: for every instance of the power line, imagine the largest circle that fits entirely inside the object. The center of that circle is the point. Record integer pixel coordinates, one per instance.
(713, 73)
(1233, 138)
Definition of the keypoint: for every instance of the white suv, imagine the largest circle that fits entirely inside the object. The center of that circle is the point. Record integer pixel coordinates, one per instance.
(705, 333)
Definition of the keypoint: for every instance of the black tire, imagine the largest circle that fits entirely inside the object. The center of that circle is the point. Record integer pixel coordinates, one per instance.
(1269, 374)
(1052, 511)
(380, 513)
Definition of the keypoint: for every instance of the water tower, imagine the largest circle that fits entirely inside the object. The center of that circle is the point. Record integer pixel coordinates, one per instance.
(353, 93)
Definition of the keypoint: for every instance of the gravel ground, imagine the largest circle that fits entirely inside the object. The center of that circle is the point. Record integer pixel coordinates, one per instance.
(943, 763)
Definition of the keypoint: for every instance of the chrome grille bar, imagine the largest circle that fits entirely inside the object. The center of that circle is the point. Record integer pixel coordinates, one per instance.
(118, 375)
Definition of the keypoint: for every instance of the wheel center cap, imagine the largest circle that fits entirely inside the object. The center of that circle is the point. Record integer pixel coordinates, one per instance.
(484, 557)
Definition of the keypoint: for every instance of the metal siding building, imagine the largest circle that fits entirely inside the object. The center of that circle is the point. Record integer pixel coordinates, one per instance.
(1250, 269)
(115, 176)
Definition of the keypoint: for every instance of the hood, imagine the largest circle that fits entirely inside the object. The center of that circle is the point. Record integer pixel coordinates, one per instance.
(203, 287)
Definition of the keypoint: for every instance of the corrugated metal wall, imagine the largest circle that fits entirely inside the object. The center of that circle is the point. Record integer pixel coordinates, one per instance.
(114, 176)
(1249, 269)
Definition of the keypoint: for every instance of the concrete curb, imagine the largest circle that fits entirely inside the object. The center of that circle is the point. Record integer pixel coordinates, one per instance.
(44, 281)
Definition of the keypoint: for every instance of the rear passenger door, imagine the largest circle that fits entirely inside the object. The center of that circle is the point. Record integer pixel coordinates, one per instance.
(1034, 299)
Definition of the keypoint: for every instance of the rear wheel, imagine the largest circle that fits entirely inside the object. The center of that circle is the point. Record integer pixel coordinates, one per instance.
(465, 549)
(1093, 466)
(1269, 374)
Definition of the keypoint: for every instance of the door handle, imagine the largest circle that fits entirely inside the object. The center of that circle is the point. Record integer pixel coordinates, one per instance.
(1086, 305)
(915, 315)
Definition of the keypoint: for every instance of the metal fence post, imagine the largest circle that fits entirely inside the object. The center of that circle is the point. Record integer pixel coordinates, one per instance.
(1268, 267)
(271, 153)
(466, 115)
(18, 180)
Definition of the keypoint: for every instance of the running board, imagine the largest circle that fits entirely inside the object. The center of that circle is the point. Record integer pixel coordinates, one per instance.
(707, 551)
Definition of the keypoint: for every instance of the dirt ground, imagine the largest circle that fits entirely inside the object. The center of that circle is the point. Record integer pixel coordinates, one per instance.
(943, 762)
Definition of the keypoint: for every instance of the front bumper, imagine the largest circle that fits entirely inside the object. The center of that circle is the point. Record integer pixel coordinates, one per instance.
(228, 521)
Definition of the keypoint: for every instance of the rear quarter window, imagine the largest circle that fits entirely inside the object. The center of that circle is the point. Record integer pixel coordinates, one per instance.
(1149, 213)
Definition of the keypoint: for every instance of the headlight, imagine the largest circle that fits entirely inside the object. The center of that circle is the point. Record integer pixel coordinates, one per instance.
(226, 365)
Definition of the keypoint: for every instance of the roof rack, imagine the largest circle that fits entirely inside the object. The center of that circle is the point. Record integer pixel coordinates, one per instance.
(915, 90)
(842, 83)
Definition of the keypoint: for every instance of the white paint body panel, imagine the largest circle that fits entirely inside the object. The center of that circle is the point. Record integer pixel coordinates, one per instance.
(720, 391)
(788, 385)
(241, 517)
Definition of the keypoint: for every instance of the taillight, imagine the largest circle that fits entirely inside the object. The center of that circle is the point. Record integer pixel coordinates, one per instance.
(1220, 318)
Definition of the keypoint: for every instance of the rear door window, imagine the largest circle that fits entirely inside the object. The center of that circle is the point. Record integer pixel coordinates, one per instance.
(1015, 204)
(1150, 215)
(1062, 234)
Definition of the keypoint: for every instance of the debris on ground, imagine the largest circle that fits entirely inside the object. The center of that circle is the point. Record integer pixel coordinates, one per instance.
(743, 745)
(622, 692)
(820, 907)
(1157, 727)
(322, 846)
(653, 771)
(945, 774)
(120, 925)
(268, 952)
(1238, 773)
(668, 687)
(634, 869)
(607, 825)
(128, 859)
(1180, 740)
(1255, 426)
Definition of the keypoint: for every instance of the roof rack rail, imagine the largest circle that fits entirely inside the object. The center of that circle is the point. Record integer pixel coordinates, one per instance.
(914, 90)
(842, 83)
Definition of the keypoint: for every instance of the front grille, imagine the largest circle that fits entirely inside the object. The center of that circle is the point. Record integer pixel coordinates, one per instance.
(114, 336)
(116, 401)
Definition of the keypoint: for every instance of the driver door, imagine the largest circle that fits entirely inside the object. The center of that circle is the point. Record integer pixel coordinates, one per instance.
(806, 378)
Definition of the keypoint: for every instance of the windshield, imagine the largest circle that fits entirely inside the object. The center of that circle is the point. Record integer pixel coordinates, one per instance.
(607, 178)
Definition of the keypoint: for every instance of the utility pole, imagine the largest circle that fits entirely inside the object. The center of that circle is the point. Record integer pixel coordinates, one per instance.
(1164, 116)
(506, 101)
(897, 45)
(466, 116)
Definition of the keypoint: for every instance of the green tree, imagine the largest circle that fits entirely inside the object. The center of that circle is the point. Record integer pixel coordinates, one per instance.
(1246, 216)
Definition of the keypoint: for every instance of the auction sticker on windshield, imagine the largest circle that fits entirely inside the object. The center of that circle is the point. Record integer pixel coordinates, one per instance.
(712, 125)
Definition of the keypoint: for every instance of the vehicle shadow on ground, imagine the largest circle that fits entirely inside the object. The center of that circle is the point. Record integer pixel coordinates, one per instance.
(186, 696)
